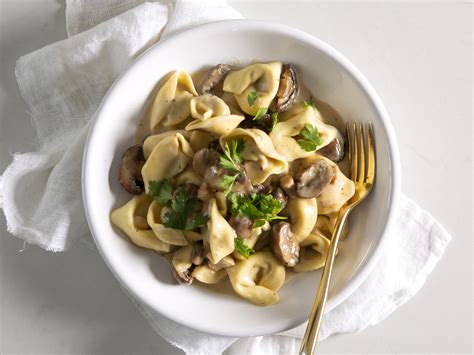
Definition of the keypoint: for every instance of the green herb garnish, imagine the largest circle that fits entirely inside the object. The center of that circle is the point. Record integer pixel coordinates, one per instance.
(242, 248)
(227, 182)
(309, 103)
(230, 160)
(311, 138)
(161, 191)
(274, 120)
(232, 155)
(258, 207)
(252, 97)
(180, 215)
(260, 113)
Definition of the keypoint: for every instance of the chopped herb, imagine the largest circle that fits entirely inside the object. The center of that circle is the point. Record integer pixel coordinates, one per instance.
(311, 138)
(161, 191)
(242, 248)
(232, 155)
(274, 120)
(309, 103)
(230, 160)
(227, 182)
(252, 97)
(260, 208)
(180, 216)
(260, 113)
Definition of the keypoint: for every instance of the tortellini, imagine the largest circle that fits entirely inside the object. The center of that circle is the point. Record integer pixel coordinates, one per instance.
(291, 124)
(264, 79)
(219, 233)
(182, 258)
(165, 234)
(206, 275)
(150, 142)
(303, 213)
(206, 106)
(131, 219)
(313, 253)
(258, 278)
(219, 125)
(167, 159)
(261, 158)
(171, 105)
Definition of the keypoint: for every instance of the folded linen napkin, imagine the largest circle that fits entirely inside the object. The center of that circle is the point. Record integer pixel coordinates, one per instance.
(63, 85)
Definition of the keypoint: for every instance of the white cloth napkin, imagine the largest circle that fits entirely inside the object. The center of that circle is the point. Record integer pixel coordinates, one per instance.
(63, 85)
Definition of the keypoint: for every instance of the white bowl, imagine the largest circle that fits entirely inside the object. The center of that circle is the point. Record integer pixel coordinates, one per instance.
(146, 275)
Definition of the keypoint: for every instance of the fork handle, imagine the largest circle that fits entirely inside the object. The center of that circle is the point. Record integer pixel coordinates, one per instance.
(312, 329)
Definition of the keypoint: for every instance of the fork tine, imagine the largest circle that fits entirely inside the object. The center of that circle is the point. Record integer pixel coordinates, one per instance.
(363, 150)
(370, 156)
(355, 153)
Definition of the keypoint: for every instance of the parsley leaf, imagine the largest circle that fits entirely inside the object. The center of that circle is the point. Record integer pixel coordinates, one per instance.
(309, 103)
(274, 120)
(179, 217)
(232, 155)
(252, 97)
(227, 182)
(242, 248)
(230, 160)
(161, 191)
(260, 113)
(258, 207)
(311, 138)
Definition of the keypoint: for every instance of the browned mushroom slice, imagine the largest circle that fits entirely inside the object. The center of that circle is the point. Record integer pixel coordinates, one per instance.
(288, 89)
(334, 150)
(130, 176)
(242, 226)
(203, 159)
(183, 277)
(243, 184)
(312, 180)
(265, 123)
(285, 244)
(227, 261)
(197, 256)
(214, 77)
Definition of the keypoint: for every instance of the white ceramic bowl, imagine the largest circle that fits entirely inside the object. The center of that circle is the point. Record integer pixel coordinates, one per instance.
(147, 276)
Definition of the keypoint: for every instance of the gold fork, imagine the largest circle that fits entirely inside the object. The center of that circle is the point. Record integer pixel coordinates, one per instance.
(362, 161)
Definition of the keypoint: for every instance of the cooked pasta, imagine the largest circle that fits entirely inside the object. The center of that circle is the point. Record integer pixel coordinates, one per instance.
(239, 179)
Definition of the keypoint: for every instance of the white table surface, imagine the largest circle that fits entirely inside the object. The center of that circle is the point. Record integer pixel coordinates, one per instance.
(417, 56)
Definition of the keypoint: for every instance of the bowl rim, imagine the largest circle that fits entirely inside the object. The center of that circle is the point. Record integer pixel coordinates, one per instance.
(274, 27)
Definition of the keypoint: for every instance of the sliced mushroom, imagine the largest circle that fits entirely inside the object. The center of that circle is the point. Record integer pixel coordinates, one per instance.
(130, 176)
(243, 184)
(288, 89)
(265, 123)
(242, 226)
(213, 177)
(214, 77)
(334, 150)
(197, 256)
(312, 180)
(285, 244)
(227, 261)
(183, 277)
(287, 183)
(203, 159)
